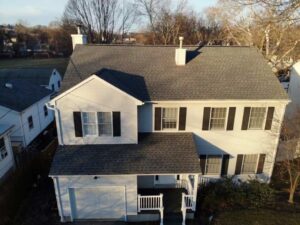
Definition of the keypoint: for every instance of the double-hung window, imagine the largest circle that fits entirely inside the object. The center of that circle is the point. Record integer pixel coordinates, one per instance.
(257, 118)
(45, 111)
(97, 123)
(213, 164)
(3, 151)
(169, 118)
(249, 164)
(30, 122)
(217, 118)
(104, 123)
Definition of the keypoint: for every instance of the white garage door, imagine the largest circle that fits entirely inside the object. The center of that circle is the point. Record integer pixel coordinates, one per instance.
(98, 203)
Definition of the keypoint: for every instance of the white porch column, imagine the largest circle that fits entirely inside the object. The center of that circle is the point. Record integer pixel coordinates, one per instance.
(161, 210)
(195, 190)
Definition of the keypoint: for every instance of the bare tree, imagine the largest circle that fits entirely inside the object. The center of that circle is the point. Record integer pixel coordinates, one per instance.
(289, 153)
(101, 19)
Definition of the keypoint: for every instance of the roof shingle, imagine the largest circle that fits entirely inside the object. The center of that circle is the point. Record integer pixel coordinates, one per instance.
(156, 153)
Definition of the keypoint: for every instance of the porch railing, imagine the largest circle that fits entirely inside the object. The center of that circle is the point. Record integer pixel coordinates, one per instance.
(152, 202)
(186, 203)
(206, 180)
(186, 184)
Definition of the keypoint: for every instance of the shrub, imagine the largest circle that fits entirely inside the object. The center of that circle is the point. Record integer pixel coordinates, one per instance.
(227, 194)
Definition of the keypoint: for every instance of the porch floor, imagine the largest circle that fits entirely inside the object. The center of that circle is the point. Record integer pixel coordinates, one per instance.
(171, 197)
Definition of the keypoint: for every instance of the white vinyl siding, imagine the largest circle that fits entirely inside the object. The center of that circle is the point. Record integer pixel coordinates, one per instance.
(213, 164)
(97, 123)
(218, 118)
(257, 118)
(249, 164)
(169, 118)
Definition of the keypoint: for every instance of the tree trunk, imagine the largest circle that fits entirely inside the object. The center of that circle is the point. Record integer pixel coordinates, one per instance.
(291, 196)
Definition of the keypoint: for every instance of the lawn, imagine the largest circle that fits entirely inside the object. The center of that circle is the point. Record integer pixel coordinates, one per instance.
(257, 217)
(59, 63)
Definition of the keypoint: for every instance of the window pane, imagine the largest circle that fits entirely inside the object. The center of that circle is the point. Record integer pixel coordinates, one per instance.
(213, 164)
(257, 117)
(90, 129)
(3, 152)
(249, 165)
(169, 118)
(104, 124)
(89, 117)
(218, 118)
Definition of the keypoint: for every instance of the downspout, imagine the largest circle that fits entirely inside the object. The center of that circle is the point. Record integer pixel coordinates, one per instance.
(58, 199)
(58, 122)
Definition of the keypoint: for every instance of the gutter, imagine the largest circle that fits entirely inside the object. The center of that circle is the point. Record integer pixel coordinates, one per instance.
(58, 122)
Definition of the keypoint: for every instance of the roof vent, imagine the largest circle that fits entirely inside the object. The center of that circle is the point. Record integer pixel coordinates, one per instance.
(180, 54)
(8, 85)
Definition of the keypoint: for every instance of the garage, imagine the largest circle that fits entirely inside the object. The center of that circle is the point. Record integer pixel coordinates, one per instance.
(98, 203)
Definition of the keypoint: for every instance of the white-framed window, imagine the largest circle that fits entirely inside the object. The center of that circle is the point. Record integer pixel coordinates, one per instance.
(257, 118)
(249, 165)
(169, 118)
(213, 164)
(3, 151)
(217, 118)
(104, 123)
(30, 122)
(97, 123)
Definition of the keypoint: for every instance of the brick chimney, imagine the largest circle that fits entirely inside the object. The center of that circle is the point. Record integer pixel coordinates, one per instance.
(180, 54)
(78, 38)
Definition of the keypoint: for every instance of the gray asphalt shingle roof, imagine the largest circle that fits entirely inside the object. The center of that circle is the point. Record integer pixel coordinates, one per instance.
(156, 153)
(150, 73)
(22, 94)
(37, 76)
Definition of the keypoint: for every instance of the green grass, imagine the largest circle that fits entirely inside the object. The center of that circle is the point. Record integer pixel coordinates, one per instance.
(59, 63)
(259, 217)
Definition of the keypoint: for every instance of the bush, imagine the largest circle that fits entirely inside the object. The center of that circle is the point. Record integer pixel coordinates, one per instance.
(227, 194)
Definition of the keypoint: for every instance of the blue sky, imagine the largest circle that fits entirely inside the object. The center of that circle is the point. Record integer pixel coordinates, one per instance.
(44, 11)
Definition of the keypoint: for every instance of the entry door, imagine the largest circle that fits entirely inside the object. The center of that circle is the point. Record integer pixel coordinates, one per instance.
(98, 203)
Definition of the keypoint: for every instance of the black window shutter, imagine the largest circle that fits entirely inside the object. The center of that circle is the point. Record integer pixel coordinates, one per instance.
(246, 118)
(261, 163)
(116, 124)
(231, 116)
(182, 118)
(206, 117)
(269, 120)
(202, 163)
(157, 119)
(77, 124)
(239, 161)
(225, 163)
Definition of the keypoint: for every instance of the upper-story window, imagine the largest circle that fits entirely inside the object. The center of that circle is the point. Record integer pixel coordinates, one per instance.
(58, 84)
(217, 118)
(169, 118)
(97, 123)
(257, 117)
(3, 151)
(30, 122)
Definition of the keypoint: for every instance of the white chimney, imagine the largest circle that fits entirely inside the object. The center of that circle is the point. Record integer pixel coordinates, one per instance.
(180, 54)
(78, 39)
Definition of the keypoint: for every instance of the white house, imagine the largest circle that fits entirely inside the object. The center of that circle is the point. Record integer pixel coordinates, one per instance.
(294, 90)
(135, 125)
(23, 105)
(6, 155)
(45, 77)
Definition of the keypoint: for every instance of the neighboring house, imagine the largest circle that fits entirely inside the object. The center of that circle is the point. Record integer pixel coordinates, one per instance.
(23, 105)
(6, 154)
(133, 123)
(294, 90)
(49, 78)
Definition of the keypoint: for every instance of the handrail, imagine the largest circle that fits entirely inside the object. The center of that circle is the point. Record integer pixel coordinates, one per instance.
(150, 202)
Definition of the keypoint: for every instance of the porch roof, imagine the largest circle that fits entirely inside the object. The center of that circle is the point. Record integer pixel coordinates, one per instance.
(155, 153)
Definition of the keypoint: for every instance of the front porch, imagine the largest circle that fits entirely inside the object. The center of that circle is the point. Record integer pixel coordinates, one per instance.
(172, 196)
